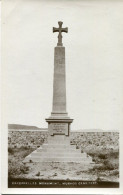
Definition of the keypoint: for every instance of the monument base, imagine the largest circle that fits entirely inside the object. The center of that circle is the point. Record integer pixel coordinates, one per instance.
(58, 149)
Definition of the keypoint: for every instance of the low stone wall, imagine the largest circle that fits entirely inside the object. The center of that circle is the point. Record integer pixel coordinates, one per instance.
(30, 138)
(96, 140)
(18, 138)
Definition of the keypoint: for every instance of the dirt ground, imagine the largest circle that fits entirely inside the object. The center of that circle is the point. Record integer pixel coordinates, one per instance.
(67, 171)
(105, 167)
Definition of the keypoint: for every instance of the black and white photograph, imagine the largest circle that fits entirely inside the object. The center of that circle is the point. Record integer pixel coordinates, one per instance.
(62, 103)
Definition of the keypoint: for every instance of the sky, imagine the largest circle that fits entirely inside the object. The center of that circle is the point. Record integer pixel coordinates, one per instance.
(94, 62)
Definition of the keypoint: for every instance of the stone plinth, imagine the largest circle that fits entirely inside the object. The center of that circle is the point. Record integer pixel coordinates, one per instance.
(59, 126)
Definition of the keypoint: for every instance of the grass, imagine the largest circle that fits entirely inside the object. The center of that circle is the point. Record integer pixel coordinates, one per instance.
(106, 161)
(16, 156)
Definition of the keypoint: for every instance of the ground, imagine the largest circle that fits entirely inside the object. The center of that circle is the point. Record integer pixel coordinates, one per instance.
(105, 167)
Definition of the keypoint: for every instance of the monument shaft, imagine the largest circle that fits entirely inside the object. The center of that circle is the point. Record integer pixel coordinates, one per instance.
(59, 122)
(59, 84)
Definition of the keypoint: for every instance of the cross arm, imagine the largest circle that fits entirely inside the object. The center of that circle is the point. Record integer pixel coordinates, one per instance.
(65, 30)
(55, 29)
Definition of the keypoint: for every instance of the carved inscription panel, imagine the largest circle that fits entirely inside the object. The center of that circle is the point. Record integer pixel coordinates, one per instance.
(59, 128)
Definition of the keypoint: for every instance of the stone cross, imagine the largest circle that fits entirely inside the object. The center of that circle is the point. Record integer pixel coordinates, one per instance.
(60, 30)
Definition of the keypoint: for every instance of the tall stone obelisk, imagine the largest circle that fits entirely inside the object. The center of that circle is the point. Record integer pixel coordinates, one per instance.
(59, 122)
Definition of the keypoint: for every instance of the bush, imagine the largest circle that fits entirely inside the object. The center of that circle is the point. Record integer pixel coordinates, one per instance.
(109, 165)
(17, 169)
(38, 174)
(103, 156)
(77, 147)
(108, 154)
(114, 154)
(24, 147)
(11, 150)
(24, 169)
(115, 173)
(15, 165)
(24, 154)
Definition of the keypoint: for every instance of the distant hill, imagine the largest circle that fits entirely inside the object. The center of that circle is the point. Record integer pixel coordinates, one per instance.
(93, 130)
(25, 127)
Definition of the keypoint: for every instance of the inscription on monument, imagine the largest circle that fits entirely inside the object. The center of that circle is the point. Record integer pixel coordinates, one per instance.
(59, 128)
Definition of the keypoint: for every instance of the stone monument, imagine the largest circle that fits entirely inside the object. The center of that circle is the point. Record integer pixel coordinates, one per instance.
(59, 122)
(58, 148)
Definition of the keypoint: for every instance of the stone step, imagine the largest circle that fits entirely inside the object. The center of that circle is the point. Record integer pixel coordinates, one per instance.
(47, 154)
(59, 142)
(58, 146)
(59, 150)
(59, 138)
(58, 159)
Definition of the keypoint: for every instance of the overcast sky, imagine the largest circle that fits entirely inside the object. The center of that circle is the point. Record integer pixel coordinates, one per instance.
(94, 61)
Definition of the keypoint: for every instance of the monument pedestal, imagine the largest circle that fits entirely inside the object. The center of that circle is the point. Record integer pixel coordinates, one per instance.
(59, 126)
